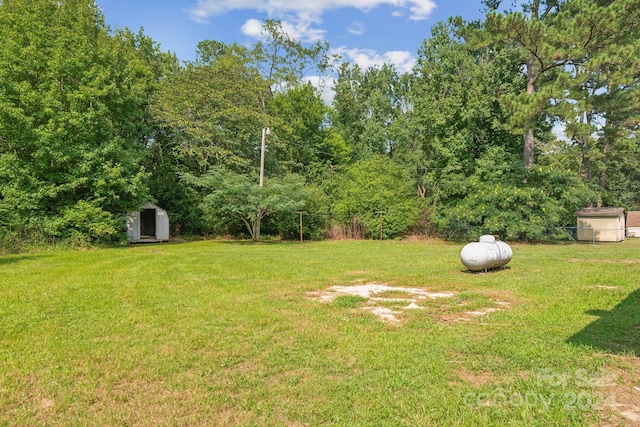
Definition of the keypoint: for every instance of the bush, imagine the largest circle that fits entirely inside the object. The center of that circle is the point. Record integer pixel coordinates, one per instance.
(83, 224)
(231, 202)
(529, 205)
(372, 186)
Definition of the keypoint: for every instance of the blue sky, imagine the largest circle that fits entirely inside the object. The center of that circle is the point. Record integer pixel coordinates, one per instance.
(367, 32)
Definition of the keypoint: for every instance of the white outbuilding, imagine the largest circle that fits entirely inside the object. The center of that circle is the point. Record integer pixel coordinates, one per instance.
(633, 224)
(149, 223)
(601, 224)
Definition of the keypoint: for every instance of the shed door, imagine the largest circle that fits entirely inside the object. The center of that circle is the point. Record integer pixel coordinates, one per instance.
(148, 223)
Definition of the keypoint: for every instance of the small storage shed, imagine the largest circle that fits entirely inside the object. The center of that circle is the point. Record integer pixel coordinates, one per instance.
(601, 224)
(633, 224)
(149, 223)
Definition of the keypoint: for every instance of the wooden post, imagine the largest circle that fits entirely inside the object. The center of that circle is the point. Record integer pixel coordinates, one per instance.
(301, 233)
(380, 212)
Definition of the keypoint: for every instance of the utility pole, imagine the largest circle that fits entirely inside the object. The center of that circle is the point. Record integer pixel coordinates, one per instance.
(265, 132)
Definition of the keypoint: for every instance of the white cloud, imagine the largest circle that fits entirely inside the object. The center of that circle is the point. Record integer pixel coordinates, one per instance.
(325, 85)
(421, 9)
(301, 20)
(365, 58)
(302, 28)
(203, 9)
(296, 27)
(252, 28)
(357, 28)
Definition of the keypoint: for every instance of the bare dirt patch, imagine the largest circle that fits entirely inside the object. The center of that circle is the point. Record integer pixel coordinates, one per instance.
(376, 295)
(621, 404)
(383, 313)
(46, 403)
(475, 379)
(388, 302)
(372, 289)
(468, 316)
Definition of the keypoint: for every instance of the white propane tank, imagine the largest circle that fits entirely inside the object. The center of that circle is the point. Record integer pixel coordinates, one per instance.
(485, 254)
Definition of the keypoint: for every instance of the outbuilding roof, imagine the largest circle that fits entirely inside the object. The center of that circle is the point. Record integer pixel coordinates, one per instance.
(600, 212)
(149, 205)
(633, 219)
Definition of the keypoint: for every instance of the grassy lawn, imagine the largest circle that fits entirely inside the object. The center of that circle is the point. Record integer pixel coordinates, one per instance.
(225, 333)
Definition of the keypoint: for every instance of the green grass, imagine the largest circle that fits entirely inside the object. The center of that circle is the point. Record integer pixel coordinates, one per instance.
(348, 301)
(222, 333)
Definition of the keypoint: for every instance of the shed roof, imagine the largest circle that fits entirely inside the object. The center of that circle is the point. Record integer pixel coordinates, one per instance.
(633, 219)
(600, 212)
(149, 205)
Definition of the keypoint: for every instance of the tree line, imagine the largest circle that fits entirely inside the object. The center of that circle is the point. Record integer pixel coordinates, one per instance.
(95, 121)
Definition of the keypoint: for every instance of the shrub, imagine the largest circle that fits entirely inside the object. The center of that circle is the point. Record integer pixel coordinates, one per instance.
(372, 186)
(529, 205)
(83, 224)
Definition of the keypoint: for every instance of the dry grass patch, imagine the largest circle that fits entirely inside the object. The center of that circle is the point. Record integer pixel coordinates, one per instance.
(606, 261)
(475, 379)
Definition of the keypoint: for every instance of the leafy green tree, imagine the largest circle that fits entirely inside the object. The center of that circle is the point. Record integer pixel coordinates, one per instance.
(215, 111)
(218, 104)
(161, 161)
(72, 126)
(469, 150)
(230, 198)
(168, 191)
(301, 141)
(162, 64)
(623, 175)
(369, 187)
(315, 208)
(370, 109)
(284, 61)
(456, 116)
(513, 202)
(212, 112)
(84, 223)
(551, 35)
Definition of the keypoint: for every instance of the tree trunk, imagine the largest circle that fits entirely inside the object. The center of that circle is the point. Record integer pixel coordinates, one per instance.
(529, 137)
(262, 212)
(256, 226)
(422, 191)
(586, 162)
(584, 145)
(605, 161)
(528, 148)
(608, 137)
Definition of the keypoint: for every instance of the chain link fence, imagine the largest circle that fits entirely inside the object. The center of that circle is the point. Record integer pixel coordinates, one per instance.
(589, 234)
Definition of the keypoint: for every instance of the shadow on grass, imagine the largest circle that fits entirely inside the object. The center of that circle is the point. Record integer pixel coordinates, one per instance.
(489, 271)
(616, 331)
(14, 259)
(270, 242)
(231, 242)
